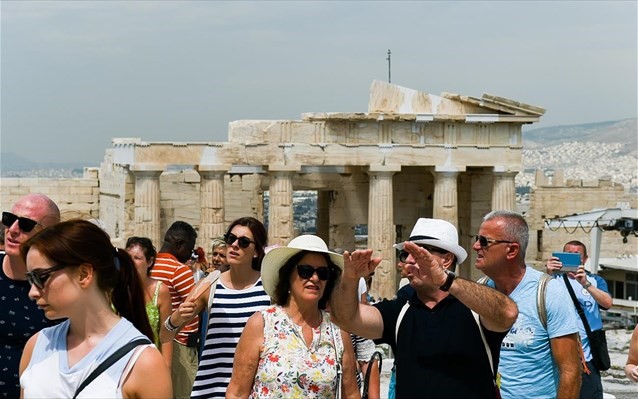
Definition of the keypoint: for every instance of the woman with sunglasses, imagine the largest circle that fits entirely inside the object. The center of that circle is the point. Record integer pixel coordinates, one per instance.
(292, 349)
(75, 273)
(238, 293)
(156, 294)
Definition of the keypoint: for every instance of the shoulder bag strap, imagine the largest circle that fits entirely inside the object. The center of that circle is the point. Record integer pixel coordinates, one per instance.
(540, 298)
(366, 379)
(108, 362)
(211, 296)
(487, 347)
(579, 308)
(401, 314)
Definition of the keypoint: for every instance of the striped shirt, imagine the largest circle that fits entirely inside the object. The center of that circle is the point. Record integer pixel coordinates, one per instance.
(228, 316)
(179, 279)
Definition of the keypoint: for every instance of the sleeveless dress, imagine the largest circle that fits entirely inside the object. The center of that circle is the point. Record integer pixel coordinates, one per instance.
(289, 368)
(228, 315)
(48, 374)
(152, 310)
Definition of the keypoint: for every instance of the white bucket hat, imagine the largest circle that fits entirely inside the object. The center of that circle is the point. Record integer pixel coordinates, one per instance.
(437, 233)
(277, 257)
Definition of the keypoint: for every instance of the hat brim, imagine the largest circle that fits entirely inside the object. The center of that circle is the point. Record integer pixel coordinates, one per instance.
(457, 250)
(276, 258)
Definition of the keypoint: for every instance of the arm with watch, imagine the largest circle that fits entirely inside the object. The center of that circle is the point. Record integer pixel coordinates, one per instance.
(496, 310)
(602, 298)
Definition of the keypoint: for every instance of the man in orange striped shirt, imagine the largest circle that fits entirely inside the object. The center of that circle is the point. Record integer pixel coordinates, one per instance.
(170, 268)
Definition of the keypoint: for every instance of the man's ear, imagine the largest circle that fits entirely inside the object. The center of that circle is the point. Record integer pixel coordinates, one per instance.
(513, 250)
(448, 261)
(86, 274)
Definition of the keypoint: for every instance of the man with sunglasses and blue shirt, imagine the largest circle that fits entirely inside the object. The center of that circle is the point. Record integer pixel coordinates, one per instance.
(538, 360)
(20, 317)
(447, 335)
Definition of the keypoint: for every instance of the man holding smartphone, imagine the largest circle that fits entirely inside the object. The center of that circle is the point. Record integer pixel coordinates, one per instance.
(592, 294)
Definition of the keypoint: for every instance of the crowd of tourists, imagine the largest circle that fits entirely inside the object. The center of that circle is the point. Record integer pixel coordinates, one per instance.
(82, 318)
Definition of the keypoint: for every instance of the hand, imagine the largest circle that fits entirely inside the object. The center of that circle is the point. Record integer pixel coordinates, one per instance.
(427, 268)
(580, 275)
(632, 372)
(186, 311)
(359, 264)
(553, 265)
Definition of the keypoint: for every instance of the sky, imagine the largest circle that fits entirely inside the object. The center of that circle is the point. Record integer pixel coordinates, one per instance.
(75, 74)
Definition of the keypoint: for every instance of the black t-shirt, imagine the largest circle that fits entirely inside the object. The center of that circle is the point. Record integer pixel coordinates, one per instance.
(20, 318)
(440, 352)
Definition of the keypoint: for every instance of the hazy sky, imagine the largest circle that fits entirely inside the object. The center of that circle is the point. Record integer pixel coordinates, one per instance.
(75, 74)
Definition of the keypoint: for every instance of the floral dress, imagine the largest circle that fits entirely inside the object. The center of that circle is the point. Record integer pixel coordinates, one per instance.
(289, 368)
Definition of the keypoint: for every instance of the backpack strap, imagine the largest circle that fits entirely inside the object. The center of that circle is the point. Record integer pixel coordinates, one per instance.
(108, 362)
(540, 298)
(401, 314)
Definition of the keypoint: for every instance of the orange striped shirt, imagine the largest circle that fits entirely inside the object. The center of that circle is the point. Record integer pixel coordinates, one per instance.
(179, 279)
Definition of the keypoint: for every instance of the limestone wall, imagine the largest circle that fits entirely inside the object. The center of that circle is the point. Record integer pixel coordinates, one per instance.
(559, 198)
(76, 197)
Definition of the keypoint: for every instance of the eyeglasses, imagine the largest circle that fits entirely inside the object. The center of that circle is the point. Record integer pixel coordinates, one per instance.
(25, 224)
(485, 242)
(403, 254)
(244, 242)
(39, 277)
(306, 272)
(194, 256)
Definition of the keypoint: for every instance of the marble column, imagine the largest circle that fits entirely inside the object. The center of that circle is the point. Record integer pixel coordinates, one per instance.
(341, 225)
(323, 215)
(212, 218)
(280, 211)
(445, 199)
(504, 190)
(146, 220)
(381, 229)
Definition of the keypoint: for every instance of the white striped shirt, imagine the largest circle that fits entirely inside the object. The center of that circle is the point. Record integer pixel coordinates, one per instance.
(228, 316)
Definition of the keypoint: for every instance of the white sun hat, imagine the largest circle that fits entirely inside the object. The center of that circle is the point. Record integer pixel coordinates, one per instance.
(277, 257)
(437, 233)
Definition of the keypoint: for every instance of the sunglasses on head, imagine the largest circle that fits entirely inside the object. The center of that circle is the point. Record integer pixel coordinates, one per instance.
(306, 272)
(485, 242)
(243, 241)
(25, 224)
(403, 254)
(39, 277)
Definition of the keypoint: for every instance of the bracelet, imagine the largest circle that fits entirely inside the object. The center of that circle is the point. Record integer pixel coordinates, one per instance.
(587, 285)
(169, 326)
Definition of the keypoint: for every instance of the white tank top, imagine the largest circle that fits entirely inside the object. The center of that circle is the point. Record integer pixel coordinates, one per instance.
(49, 376)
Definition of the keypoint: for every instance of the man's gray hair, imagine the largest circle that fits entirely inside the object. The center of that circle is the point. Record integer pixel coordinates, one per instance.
(516, 228)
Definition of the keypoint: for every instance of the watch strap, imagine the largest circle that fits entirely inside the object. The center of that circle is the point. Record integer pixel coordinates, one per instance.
(451, 276)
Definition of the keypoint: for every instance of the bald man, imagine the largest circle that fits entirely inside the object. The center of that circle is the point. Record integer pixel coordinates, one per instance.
(20, 317)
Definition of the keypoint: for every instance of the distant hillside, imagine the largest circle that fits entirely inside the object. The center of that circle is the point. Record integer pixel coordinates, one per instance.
(623, 131)
(11, 162)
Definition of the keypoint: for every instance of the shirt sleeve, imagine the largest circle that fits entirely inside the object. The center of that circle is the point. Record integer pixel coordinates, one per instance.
(562, 318)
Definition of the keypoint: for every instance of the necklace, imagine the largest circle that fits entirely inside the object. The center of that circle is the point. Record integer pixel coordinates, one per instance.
(298, 331)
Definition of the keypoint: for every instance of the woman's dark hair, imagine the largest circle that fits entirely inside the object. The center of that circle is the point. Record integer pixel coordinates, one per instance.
(77, 242)
(260, 236)
(147, 248)
(282, 289)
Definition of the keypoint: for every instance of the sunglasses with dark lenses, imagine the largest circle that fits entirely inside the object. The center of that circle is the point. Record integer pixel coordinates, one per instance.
(39, 277)
(485, 242)
(403, 254)
(244, 242)
(25, 224)
(306, 272)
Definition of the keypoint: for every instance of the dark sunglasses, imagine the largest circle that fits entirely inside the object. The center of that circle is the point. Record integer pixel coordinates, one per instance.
(244, 242)
(306, 272)
(39, 277)
(403, 254)
(25, 224)
(485, 242)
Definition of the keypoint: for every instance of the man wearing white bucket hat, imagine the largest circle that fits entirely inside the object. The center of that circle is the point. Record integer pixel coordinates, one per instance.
(441, 335)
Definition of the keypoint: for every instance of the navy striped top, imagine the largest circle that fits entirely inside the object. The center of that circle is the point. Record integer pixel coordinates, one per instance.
(228, 316)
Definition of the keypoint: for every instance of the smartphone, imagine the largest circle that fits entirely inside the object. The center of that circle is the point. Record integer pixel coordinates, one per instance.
(570, 261)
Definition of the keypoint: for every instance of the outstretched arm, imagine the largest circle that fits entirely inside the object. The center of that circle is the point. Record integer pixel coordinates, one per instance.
(345, 309)
(497, 311)
(631, 368)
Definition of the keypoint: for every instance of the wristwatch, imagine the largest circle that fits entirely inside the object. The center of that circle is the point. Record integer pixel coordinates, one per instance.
(451, 276)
